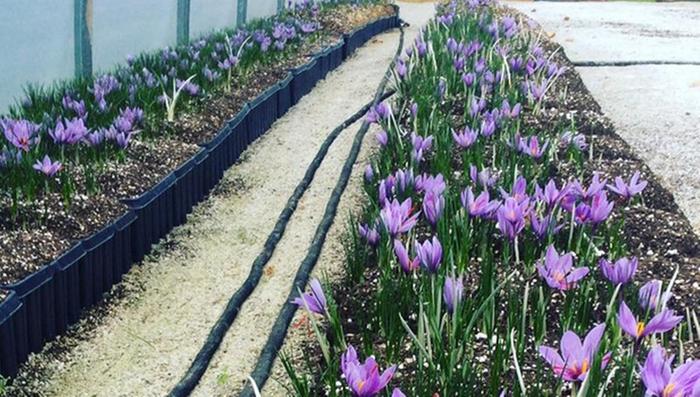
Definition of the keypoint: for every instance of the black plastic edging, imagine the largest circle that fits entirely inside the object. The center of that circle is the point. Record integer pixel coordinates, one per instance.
(47, 302)
(262, 369)
(217, 333)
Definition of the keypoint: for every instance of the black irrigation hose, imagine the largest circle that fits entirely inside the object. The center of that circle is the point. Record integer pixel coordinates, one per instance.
(631, 63)
(200, 363)
(279, 330)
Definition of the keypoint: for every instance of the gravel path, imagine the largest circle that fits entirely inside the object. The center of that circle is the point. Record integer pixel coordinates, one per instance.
(654, 108)
(330, 263)
(148, 339)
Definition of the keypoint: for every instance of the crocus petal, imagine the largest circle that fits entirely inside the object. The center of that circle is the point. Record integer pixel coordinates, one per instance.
(662, 322)
(592, 340)
(571, 347)
(627, 321)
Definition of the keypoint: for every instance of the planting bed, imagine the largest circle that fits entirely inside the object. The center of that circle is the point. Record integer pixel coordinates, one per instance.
(473, 317)
(120, 208)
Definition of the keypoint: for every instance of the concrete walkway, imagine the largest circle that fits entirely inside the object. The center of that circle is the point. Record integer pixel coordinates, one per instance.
(655, 108)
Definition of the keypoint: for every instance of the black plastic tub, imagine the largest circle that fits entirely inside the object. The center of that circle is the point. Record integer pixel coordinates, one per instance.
(36, 317)
(335, 56)
(9, 356)
(152, 216)
(284, 95)
(263, 112)
(303, 80)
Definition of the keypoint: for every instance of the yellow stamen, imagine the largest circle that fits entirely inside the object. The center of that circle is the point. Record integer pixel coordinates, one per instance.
(360, 385)
(640, 328)
(668, 390)
(584, 366)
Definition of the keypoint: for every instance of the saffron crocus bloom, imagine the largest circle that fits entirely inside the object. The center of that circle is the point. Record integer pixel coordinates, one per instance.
(465, 138)
(369, 173)
(452, 292)
(485, 177)
(628, 190)
(433, 205)
(420, 146)
(558, 271)
(382, 138)
(407, 264)
(543, 227)
(661, 381)
(48, 167)
(619, 272)
(430, 254)
(315, 300)
(660, 323)
(479, 206)
(650, 295)
(364, 379)
(429, 183)
(576, 358)
(20, 133)
(69, 132)
(531, 147)
(600, 208)
(397, 217)
(369, 234)
(511, 218)
(550, 195)
(378, 113)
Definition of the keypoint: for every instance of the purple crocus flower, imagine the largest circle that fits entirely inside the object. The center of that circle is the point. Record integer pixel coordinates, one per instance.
(433, 205)
(468, 79)
(550, 196)
(485, 177)
(20, 133)
(378, 113)
(452, 292)
(95, 138)
(430, 254)
(397, 217)
(576, 358)
(187, 86)
(315, 300)
(404, 179)
(531, 147)
(407, 264)
(123, 139)
(511, 218)
(364, 379)
(650, 295)
(509, 112)
(544, 226)
(465, 138)
(661, 381)
(48, 167)
(479, 206)
(401, 68)
(369, 173)
(665, 321)
(429, 183)
(382, 138)
(68, 132)
(369, 234)
(621, 271)
(628, 190)
(488, 126)
(558, 270)
(420, 146)
(600, 208)
(570, 138)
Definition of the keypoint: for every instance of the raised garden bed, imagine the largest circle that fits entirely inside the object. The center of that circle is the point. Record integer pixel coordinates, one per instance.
(477, 315)
(64, 257)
